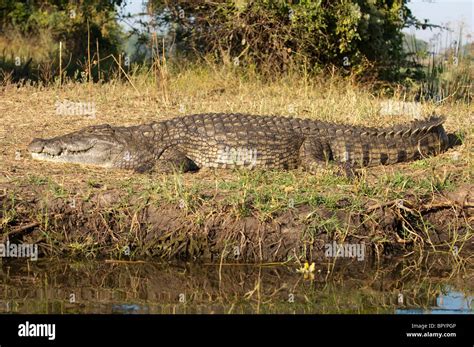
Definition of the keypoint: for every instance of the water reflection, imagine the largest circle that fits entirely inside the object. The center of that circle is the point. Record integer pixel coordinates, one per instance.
(395, 286)
(451, 302)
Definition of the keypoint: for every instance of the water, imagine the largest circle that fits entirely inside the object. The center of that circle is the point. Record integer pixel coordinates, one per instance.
(452, 302)
(396, 286)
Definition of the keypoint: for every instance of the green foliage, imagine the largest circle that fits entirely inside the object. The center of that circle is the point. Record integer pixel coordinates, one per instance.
(361, 38)
(61, 20)
(357, 36)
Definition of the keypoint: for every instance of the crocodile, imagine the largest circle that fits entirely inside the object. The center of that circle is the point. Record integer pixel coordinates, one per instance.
(220, 140)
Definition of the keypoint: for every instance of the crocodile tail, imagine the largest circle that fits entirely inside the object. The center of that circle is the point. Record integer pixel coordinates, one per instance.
(361, 146)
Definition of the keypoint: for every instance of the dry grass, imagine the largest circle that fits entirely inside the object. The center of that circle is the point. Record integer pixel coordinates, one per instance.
(30, 111)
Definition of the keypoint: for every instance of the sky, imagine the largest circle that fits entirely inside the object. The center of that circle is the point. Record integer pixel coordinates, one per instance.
(449, 13)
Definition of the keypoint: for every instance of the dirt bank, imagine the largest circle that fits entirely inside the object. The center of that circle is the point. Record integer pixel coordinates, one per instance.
(112, 223)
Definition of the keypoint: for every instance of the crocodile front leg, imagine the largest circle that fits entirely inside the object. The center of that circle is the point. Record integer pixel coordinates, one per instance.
(171, 160)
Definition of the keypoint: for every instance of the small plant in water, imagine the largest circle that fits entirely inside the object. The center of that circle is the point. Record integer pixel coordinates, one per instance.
(307, 270)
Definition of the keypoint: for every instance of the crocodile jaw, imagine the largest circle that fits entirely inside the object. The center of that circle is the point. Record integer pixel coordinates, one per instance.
(97, 153)
(74, 158)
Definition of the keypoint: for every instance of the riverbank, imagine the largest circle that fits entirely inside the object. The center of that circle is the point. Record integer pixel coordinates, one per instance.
(220, 216)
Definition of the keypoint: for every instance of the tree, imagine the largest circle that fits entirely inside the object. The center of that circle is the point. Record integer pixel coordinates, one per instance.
(81, 27)
(359, 36)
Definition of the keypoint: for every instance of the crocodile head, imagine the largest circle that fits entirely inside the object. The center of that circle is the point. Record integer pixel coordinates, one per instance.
(96, 145)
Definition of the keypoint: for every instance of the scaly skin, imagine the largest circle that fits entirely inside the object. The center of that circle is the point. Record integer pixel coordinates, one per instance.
(240, 140)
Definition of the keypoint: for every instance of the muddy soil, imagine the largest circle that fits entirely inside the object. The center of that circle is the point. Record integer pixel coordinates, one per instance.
(98, 226)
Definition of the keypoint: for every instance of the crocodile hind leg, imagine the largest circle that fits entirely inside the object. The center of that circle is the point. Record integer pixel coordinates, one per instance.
(316, 155)
(171, 160)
